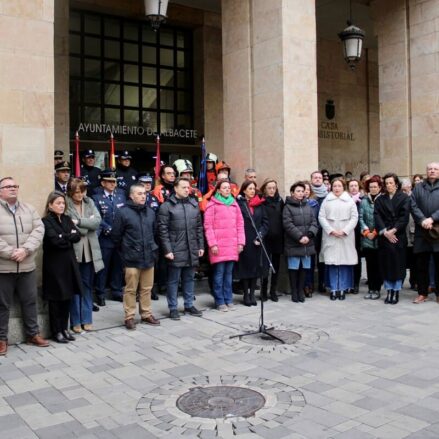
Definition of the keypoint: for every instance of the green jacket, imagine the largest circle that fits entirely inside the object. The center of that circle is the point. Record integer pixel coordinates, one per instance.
(367, 222)
(88, 225)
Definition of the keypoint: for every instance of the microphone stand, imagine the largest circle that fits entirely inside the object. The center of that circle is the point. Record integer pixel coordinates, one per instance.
(262, 327)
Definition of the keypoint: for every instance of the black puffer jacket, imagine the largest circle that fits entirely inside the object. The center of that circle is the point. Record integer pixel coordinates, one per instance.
(274, 237)
(181, 231)
(425, 204)
(298, 221)
(133, 232)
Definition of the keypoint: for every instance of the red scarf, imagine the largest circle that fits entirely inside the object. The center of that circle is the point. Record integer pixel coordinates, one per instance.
(254, 202)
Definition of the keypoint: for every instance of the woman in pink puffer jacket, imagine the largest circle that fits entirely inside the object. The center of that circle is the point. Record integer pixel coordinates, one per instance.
(224, 229)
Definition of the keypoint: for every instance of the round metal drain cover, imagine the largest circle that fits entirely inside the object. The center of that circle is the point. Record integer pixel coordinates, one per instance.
(220, 402)
(288, 337)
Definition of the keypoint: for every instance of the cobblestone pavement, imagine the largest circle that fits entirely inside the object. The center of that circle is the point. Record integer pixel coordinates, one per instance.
(361, 369)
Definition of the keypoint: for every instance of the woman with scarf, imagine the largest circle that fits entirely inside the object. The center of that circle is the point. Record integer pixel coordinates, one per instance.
(369, 236)
(354, 192)
(251, 261)
(224, 230)
(274, 239)
(391, 215)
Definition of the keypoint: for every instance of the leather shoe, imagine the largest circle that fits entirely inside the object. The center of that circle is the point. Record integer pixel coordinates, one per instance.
(37, 340)
(3, 347)
(100, 301)
(68, 335)
(95, 308)
(420, 299)
(151, 320)
(59, 338)
(130, 324)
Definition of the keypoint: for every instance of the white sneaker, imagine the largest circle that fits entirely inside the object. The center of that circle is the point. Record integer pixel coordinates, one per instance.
(231, 307)
(222, 308)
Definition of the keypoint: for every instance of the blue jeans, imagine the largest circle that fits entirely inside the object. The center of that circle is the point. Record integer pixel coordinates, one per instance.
(187, 285)
(81, 307)
(341, 277)
(395, 285)
(113, 273)
(222, 282)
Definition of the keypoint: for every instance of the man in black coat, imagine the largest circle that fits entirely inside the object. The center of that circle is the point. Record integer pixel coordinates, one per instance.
(181, 238)
(425, 212)
(133, 232)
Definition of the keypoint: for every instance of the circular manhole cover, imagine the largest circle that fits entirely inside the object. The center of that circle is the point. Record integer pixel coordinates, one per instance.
(287, 337)
(220, 402)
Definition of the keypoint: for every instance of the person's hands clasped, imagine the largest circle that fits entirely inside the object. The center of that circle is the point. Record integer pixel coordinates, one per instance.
(214, 249)
(240, 248)
(390, 235)
(338, 233)
(427, 223)
(200, 253)
(304, 240)
(18, 255)
(169, 256)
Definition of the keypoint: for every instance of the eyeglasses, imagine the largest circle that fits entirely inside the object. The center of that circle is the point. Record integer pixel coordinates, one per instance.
(13, 186)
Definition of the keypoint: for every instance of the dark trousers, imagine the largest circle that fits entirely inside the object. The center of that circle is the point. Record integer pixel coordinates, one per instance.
(374, 280)
(275, 260)
(423, 275)
(411, 265)
(357, 270)
(59, 315)
(112, 274)
(23, 286)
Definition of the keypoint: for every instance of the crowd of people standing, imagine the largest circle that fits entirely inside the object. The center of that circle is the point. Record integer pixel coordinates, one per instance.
(114, 234)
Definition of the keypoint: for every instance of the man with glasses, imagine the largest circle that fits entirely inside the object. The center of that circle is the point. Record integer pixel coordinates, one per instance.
(21, 234)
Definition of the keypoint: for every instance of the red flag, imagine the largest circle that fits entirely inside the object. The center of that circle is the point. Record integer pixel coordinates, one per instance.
(112, 153)
(157, 159)
(77, 161)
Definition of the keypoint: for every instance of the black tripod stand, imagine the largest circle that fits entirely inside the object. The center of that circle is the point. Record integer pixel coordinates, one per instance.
(262, 327)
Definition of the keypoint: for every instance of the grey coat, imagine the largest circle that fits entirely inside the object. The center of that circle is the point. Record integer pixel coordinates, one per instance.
(88, 226)
(425, 204)
(298, 221)
(181, 231)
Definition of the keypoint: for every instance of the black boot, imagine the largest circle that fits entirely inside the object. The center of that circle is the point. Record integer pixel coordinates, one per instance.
(395, 298)
(292, 274)
(252, 292)
(273, 287)
(264, 289)
(342, 295)
(244, 284)
(389, 298)
(301, 285)
(333, 295)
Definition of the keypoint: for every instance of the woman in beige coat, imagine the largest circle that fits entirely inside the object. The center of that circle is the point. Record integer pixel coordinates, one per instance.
(338, 217)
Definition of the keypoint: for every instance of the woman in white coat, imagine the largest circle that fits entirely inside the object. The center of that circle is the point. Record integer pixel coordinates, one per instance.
(338, 217)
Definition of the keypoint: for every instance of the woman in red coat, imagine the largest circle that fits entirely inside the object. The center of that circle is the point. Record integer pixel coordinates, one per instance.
(224, 229)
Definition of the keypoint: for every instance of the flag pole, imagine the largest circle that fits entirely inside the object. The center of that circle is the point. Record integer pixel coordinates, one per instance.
(112, 153)
(77, 161)
(157, 159)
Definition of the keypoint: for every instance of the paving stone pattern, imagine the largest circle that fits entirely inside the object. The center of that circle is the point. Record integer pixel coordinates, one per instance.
(361, 369)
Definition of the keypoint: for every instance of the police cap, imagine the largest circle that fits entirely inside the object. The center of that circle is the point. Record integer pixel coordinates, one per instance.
(108, 175)
(63, 166)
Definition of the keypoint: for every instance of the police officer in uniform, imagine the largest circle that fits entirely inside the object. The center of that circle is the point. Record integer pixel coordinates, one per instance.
(108, 201)
(125, 174)
(89, 172)
(62, 176)
(151, 201)
(58, 157)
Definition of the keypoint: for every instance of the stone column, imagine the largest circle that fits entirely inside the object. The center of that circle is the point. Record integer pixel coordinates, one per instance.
(408, 46)
(270, 88)
(27, 104)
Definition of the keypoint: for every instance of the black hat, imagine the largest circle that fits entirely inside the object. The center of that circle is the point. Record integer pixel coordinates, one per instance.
(59, 154)
(108, 175)
(125, 155)
(63, 166)
(145, 178)
(88, 153)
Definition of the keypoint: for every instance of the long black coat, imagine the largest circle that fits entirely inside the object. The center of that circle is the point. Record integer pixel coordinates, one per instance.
(425, 204)
(61, 277)
(133, 233)
(251, 261)
(181, 231)
(274, 238)
(299, 220)
(392, 213)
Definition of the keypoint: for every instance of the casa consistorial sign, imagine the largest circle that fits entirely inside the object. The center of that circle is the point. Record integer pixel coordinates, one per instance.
(128, 130)
(330, 130)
